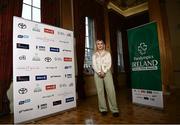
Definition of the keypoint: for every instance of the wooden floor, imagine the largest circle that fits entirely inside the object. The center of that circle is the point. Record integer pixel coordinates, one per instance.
(87, 112)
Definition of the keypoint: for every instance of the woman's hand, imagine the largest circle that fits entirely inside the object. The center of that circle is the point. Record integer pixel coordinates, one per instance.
(101, 74)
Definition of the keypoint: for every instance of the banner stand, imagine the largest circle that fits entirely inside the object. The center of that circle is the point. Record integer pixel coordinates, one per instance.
(145, 65)
(43, 70)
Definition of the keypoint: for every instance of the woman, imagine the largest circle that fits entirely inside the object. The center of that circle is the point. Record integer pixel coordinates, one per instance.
(103, 79)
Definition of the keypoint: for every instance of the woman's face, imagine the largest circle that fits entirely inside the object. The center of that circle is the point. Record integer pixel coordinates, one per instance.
(100, 45)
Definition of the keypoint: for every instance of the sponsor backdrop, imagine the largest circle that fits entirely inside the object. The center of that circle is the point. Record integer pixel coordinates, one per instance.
(145, 65)
(43, 70)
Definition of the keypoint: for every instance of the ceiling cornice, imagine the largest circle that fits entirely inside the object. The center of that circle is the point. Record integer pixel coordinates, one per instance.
(129, 11)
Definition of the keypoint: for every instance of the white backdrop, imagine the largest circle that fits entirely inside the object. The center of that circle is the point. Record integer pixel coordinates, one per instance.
(43, 70)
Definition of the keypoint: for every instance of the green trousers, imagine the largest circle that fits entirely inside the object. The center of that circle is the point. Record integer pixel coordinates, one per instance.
(107, 83)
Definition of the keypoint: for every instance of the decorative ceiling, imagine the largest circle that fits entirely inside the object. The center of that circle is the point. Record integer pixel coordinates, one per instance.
(128, 7)
(126, 4)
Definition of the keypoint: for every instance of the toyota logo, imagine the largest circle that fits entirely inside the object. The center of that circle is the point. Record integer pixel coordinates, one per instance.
(22, 91)
(48, 59)
(22, 25)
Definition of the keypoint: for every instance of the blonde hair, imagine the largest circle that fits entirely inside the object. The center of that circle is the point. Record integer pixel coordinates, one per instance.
(99, 41)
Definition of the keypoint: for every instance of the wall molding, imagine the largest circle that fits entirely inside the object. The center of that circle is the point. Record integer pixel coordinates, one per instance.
(129, 11)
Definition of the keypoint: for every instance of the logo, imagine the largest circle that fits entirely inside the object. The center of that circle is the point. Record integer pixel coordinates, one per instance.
(38, 88)
(66, 50)
(69, 34)
(152, 99)
(146, 98)
(23, 57)
(65, 94)
(56, 102)
(22, 90)
(23, 36)
(42, 106)
(53, 49)
(57, 59)
(154, 95)
(63, 41)
(67, 59)
(71, 99)
(142, 48)
(62, 85)
(36, 58)
(48, 96)
(28, 68)
(24, 101)
(22, 78)
(71, 84)
(55, 76)
(60, 33)
(51, 67)
(68, 75)
(149, 92)
(41, 48)
(50, 31)
(22, 46)
(41, 77)
(45, 39)
(22, 25)
(50, 87)
(35, 28)
(67, 67)
(48, 59)
(25, 110)
(143, 91)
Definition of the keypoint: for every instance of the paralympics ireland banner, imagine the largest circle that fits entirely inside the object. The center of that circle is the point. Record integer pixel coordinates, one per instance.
(145, 65)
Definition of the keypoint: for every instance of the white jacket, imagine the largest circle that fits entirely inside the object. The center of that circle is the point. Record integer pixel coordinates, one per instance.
(101, 61)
